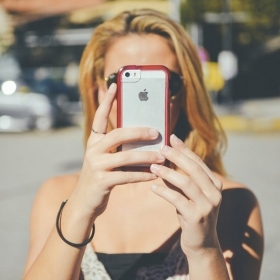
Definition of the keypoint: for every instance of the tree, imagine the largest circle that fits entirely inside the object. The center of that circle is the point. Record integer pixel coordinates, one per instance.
(263, 20)
(6, 32)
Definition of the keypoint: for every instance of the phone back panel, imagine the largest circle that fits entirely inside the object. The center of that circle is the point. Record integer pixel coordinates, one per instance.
(144, 102)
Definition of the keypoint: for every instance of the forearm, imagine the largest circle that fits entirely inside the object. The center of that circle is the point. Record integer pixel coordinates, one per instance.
(209, 265)
(58, 260)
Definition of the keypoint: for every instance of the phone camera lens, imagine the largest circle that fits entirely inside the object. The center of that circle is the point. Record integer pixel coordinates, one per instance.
(127, 74)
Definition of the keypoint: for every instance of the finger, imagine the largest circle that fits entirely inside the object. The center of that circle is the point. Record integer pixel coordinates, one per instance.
(126, 158)
(184, 206)
(101, 116)
(124, 177)
(120, 136)
(179, 145)
(182, 182)
(195, 171)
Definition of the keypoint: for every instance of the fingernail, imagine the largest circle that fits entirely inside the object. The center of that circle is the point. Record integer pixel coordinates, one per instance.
(112, 88)
(153, 132)
(160, 157)
(154, 167)
(176, 139)
(165, 148)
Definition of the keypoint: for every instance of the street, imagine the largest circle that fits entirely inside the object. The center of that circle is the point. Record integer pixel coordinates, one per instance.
(30, 158)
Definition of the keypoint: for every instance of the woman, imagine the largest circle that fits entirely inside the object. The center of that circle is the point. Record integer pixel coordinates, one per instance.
(165, 224)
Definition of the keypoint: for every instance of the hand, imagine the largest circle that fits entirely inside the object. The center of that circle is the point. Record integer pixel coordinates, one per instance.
(100, 173)
(196, 194)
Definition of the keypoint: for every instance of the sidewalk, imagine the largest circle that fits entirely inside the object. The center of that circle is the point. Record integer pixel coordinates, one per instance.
(258, 115)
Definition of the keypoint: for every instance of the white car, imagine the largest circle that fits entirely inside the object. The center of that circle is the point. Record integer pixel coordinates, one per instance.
(24, 111)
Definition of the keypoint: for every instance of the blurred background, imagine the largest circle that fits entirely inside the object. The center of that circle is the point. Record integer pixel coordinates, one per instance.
(41, 43)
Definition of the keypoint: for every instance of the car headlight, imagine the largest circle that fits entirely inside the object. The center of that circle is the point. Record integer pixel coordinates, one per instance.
(9, 87)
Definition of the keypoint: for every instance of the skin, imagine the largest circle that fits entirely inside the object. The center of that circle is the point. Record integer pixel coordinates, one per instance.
(141, 205)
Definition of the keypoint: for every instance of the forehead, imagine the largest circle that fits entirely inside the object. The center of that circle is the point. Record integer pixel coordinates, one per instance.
(134, 49)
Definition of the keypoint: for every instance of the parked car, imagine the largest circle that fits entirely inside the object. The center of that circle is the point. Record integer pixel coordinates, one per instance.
(21, 109)
(24, 111)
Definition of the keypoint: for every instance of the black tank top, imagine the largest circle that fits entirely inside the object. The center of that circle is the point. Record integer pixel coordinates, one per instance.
(125, 266)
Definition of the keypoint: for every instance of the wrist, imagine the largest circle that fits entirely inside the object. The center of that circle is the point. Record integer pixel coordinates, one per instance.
(208, 263)
(73, 226)
(77, 212)
(204, 254)
(81, 207)
(209, 247)
(58, 228)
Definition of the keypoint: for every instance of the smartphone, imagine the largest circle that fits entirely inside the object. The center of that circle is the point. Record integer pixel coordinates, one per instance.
(143, 100)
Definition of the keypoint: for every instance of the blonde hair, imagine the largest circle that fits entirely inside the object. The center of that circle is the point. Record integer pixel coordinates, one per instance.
(198, 124)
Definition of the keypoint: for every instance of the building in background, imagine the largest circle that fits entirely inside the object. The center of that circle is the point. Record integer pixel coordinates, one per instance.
(51, 35)
(250, 30)
(49, 38)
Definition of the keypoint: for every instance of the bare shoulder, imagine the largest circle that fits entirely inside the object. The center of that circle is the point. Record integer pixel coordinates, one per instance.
(230, 184)
(50, 196)
(236, 194)
(240, 228)
(234, 189)
(48, 199)
(44, 210)
(58, 187)
(237, 199)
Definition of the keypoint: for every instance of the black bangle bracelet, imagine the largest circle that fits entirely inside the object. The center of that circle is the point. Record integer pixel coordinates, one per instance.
(58, 226)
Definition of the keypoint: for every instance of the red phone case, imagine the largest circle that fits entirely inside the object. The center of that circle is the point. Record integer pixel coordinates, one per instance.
(143, 99)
